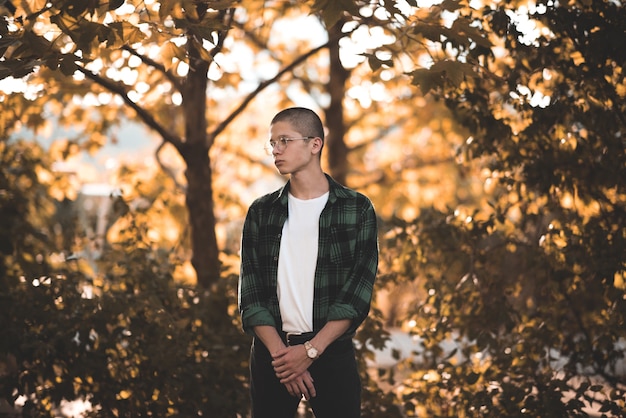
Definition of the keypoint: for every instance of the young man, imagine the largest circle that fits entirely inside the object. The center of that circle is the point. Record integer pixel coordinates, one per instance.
(309, 257)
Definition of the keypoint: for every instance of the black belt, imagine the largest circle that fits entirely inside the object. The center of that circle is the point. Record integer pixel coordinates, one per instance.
(294, 338)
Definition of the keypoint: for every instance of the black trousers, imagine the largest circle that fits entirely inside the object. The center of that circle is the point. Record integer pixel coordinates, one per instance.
(335, 376)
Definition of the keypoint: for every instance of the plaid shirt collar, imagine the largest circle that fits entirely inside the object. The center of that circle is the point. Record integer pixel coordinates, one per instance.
(336, 191)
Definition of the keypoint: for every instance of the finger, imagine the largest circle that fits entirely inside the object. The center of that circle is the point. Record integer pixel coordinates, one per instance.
(306, 395)
(305, 384)
(283, 368)
(286, 378)
(278, 363)
(310, 388)
(306, 392)
(294, 390)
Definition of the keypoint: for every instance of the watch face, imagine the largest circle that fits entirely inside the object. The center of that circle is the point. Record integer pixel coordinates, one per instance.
(311, 351)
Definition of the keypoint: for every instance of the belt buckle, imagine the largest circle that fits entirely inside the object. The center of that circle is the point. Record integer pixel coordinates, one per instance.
(291, 334)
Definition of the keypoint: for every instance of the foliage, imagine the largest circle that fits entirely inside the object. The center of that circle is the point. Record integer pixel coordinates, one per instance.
(131, 342)
(525, 296)
(24, 210)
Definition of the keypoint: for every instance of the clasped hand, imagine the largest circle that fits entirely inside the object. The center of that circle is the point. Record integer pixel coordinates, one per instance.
(291, 367)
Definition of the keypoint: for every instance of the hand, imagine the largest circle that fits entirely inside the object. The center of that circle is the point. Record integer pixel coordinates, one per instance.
(302, 386)
(290, 362)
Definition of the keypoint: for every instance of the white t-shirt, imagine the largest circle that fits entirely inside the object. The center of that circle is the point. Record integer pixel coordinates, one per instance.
(297, 262)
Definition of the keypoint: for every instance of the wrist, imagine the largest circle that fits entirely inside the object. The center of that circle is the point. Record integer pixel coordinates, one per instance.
(311, 352)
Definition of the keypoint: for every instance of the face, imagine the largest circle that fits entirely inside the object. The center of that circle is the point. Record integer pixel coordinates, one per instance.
(298, 155)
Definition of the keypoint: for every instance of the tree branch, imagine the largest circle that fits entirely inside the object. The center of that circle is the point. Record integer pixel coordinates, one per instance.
(141, 112)
(167, 170)
(228, 18)
(160, 67)
(262, 86)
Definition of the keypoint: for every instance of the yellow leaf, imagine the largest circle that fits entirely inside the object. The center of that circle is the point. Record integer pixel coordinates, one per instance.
(204, 54)
(166, 8)
(169, 51)
(577, 58)
(178, 12)
(132, 34)
(35, 5)
(619, 280)
(124, 394)
(191, 10)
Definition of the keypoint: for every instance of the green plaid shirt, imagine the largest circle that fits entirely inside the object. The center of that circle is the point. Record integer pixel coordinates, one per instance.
(347, 259)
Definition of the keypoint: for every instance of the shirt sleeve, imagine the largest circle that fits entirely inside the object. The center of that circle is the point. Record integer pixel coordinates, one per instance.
(354, 299)
(251, 293)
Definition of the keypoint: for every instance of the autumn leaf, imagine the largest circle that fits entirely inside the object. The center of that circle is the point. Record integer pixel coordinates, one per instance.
(169, 52)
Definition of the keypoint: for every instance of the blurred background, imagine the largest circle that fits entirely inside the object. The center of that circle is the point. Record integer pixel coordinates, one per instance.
(488, 135)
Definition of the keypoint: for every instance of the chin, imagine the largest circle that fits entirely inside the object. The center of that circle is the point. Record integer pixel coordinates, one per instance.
(282, 170)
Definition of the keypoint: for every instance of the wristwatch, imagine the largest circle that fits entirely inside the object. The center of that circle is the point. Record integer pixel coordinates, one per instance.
(311, 351)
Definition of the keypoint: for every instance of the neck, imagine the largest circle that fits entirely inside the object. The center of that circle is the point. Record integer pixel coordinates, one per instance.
(309, 186)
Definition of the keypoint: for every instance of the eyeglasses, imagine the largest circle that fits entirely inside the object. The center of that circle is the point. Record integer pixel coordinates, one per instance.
(282, 143)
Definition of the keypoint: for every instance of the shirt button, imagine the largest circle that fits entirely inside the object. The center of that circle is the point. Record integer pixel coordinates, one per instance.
(280, 235)
(275, 258)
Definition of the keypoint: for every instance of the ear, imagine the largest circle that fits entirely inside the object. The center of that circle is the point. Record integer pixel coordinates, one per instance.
(317, 144)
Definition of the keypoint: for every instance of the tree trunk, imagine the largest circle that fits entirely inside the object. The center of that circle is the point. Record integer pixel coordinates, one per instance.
(336, 150)
(199, 197)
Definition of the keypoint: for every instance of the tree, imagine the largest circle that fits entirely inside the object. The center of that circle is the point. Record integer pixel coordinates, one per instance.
(149, 61)
(527, 287)
(92, 65)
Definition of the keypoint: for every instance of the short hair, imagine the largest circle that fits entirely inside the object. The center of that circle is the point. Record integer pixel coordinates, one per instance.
(304, 120)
